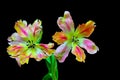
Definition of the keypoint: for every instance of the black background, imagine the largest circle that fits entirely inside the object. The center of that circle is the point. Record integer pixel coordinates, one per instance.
(96, 66)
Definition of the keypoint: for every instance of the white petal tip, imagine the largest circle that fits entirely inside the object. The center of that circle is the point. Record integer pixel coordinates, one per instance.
(94, 51)
(66, 12)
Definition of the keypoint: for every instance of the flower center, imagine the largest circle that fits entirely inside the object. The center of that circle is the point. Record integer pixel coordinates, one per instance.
(75, 39)
(30, 44)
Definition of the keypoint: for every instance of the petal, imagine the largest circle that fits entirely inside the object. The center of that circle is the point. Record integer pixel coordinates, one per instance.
(22, 59)
(79, 53)
(66, 23)
(62, 52)
(39, 54)
(15, 50)
(89, 46)
(46, 48)
(20, 27)
(15, 39)
(35, 31)
(59, 37)
(19, 53)
(85, 29)
(37, 24)
(49, 45)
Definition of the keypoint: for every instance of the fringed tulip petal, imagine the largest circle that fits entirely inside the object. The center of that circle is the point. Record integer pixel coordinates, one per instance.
(66, 23)
(89, 46)
(85, 30)
(59, 37)
(79, 53)
(62, 52)
(21, 28)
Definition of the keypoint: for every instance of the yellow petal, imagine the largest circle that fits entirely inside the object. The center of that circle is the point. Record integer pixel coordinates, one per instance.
(22, 59)
(59, 37)
(14, 50)
(86, 29)
(79, 53)
(20, 27)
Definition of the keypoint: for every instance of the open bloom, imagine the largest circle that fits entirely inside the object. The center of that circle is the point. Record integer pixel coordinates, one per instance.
(24, 43)
(69, 38)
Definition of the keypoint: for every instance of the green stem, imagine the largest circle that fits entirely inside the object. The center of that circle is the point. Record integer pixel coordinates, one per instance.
(52, 74)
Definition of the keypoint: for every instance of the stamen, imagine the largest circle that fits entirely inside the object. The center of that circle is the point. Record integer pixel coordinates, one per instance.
(75, 39)
(30, 44)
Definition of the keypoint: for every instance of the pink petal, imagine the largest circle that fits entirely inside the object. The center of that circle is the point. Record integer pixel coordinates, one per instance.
(18, 61)
(15, 39)
(89, 46)
(62, 52)
(37, 54)
(36, 27)
(40, 56)
(66, 23)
